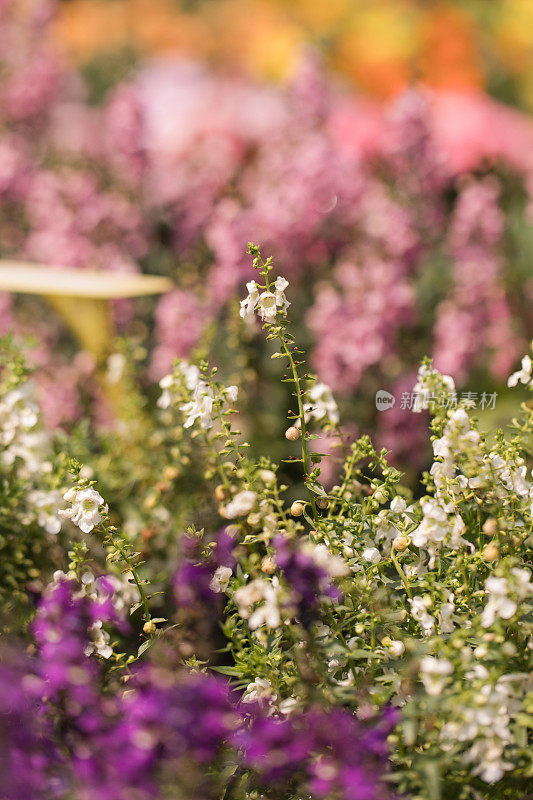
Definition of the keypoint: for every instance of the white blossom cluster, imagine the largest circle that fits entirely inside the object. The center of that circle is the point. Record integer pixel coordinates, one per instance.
(259, 591)
(25, 448)
(523, 375)
(87, 508)
(21, 438)
(428, 585)
(203, 397)
(322, 405)
(485, 722)
(429, 385)
(436, 528)
(265, 303)
(504, 594)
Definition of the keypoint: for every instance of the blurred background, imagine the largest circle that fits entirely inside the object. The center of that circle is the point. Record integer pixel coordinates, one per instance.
(381, 151)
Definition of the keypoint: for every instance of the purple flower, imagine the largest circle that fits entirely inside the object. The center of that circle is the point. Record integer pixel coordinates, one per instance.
(192, 579)
(327, 752)
(308, 580)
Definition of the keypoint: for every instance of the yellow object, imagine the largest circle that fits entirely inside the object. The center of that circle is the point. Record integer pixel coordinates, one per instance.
(82, 299)
(382, 45)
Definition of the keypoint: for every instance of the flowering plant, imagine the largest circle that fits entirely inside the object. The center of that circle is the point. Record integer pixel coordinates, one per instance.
(403, 232)
(373, 600)
(376, 644)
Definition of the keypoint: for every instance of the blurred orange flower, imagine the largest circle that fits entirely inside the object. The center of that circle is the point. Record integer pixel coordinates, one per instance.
(379, 45)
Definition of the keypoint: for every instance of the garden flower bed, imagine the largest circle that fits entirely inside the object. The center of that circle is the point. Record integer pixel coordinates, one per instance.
(265, 510)
(352, 643)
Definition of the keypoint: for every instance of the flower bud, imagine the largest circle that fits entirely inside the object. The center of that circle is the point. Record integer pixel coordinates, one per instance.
(322, 502)
(395, 647)
(268, 565)
(297, 508)
(221, 493)
(149, 627)
(491, 552)
(401, 543)
(267, 476)
(490, 527)
(292, 433)
(170, 473)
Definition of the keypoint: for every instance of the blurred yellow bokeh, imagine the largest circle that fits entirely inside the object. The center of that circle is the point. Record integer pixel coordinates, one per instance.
(378, 45)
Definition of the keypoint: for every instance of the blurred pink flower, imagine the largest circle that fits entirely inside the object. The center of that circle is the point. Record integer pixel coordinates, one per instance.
(180, 320)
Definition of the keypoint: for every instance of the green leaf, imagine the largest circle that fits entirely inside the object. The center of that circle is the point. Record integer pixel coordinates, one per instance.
(145, 645)
(232, 671)
(433, 782)
(354, 655)
(316, 487)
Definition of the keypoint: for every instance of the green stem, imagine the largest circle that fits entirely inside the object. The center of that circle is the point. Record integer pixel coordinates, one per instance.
(131, 566)
(216, 455)
(401, 573)
(137, 580)
(277, 330)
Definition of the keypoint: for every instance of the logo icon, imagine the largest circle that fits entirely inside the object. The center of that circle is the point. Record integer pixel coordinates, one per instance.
(384, 400)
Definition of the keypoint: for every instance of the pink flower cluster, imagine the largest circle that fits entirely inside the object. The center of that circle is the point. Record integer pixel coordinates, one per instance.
(394, 249)
(223, 162)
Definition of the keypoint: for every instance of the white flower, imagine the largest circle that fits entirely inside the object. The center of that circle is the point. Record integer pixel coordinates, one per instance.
(30, 447)
(18, 411)
(398, 505)
(445, 622)
(115, 367)
(420, 614)
(322, 404)
(268, 303)
(241, 504)
(166, 384)
(280, 285)
(335, 566)
(267, 306)
(170, 383)
(523, 375)
(220, 580)
(231, 393)
(46, 505)
(122, 590)
(372, 555)
(200, 407)
(429, 383)
(85, 508)
(433, 673)
(99, 641)
(521, 582)
(249, 303)
(434, 525)
(268, 613)
(191, 374)
(267, 476)
(288, 705)
(499, 603)
(396, 648)
(485, 722)
(260, 691)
